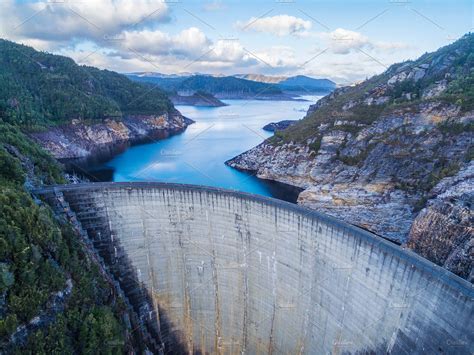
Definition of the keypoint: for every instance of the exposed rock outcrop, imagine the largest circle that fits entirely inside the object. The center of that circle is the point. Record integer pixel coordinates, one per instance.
(443, 231)
(79, 140)
(375, 177)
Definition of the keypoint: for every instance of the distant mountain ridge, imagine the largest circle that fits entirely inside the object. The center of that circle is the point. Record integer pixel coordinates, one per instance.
(262, 78)
(238, 85)
(305, 83)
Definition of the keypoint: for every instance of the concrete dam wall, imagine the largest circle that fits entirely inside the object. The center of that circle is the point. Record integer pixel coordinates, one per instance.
(218, 271)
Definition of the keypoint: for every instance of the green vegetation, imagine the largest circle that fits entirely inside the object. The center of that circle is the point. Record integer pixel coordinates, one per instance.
(441, 170)
(210, 84)
(39, 89)
(455, 127)
(37, 255)
(227, 84)
(316, 144)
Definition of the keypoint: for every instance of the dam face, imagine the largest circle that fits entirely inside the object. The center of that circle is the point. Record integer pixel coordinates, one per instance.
(226, 272)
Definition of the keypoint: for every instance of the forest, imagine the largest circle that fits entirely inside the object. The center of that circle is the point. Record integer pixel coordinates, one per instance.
(38, 89)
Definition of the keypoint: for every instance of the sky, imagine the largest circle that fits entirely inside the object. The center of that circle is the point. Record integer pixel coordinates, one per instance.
(345, 41)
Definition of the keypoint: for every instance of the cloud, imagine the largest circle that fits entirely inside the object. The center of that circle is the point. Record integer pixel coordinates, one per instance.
(155, 50)
(280, 25)
(278, 57)
(215, 5)
(88, 19)
(342, 41)
(124, 35)
(187, 43)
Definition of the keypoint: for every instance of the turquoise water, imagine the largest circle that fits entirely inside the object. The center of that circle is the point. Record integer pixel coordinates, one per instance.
(197, 155)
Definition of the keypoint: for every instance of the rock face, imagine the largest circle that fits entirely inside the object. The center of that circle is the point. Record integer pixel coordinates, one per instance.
(79, 140)
(443, 231)
(374, 154)
(371, 178)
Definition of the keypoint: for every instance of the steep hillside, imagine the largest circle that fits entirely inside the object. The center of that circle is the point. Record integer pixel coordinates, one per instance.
(38, 88)
(52, 297)
(374, 154)
(73, 110)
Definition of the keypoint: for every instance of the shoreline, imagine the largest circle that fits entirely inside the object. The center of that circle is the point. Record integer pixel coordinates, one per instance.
(78, 140)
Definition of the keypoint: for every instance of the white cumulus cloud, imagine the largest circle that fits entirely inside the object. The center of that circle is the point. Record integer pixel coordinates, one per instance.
(87, 19)
(280, 25)
(189, 42)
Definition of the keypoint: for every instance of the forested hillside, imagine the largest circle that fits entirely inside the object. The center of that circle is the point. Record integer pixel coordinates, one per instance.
(227, 85)
(38, 88)
(52, 298)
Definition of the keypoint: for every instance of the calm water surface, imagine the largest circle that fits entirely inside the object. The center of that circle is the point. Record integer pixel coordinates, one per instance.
(197, 155)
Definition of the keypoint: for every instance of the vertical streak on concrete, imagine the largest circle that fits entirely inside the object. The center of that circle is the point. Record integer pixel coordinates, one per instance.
(151, 273)
(217, 317)
(274, 286)
(245, 238)
(188, 320)
(305, 323)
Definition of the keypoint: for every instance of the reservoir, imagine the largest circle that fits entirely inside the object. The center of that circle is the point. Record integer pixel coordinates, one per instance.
(197, 155)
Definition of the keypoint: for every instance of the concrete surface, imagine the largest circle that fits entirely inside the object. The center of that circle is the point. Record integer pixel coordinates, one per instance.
(228, 272)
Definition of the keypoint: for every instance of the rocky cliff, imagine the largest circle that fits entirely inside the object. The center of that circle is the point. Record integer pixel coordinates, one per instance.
(443, 231)
(377, 153)
(79, 139)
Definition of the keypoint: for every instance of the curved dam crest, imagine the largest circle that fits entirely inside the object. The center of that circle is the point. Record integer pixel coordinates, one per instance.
(218, 271)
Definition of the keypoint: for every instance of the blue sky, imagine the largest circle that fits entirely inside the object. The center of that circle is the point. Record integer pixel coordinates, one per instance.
(345, 41)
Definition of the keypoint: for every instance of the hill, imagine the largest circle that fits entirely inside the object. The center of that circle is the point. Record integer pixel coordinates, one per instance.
(237, 86)
(74, 110)
(301, 83)
(392, 154)
(261, 78)
(54, 299)
(198, 98)
(38, 88)
(305, 83)
(54, 295)
(226, 87)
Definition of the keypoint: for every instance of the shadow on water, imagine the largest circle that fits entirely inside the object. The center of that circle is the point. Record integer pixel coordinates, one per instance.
(93, 167)
(283, 191)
